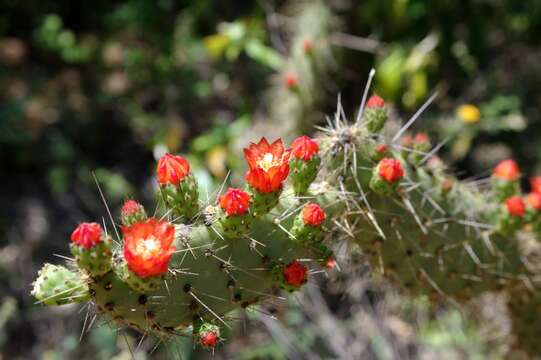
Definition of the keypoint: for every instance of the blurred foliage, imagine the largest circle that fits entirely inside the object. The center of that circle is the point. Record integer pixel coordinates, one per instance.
(105, 88)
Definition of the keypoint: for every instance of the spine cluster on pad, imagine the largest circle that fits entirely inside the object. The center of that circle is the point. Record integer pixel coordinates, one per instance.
(190, 267)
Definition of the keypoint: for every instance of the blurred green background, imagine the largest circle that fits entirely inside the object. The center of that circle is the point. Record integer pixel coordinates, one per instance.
(99, 90)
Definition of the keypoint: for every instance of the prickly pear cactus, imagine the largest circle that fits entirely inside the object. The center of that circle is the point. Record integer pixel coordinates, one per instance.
(190, 267)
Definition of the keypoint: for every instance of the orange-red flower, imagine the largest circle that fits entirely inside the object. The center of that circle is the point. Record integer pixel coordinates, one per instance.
(269, 165)
(147, 246)
(535, 184)
(534, 200)
(507, 170)
(313, 215)
(515, 206)
(390, 170)
(235, 201)
(172, 169)
(375, 102)
(295, 273)
(304, 148)
(87, 235)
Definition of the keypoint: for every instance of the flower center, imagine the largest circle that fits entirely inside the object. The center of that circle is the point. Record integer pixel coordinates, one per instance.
(266, 162)
(148, 247)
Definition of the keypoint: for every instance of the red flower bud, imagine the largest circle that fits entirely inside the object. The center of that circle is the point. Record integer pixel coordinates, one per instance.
(307, 45)
(381, 148)
(234, 201)
(172, 169)
(535, 184)
(295, 273)
(313, 215)
(515, 206)
(422, 138)
(407, 141)
(131, 207)
(390, 170)
(304, 148)
(507, 170)
(291, 81)
(375, 102)
(147, 247)
(534, 200)
(209, 339)
(87, 235)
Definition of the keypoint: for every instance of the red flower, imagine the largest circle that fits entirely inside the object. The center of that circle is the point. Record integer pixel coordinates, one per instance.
(515, 206)
(295, 273)
(507, 170)
(130, 207)
(534, 200)
(268, 164)
(87, 235)
(209, 339)
(290, 80)
(313, 215)
(375, 102)
(147, 247)
(304, 148)
(234, 201)
(535, 184)
(422, 138)
(390, 170)
(172, 169)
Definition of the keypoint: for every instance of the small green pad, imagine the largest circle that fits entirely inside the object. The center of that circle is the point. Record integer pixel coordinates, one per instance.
(57, 285)
(263, 203)
(235, 226)
(142, 285)
(375, 118)
(305, 234)
(303, 173)
(182, 198)
(96, 260)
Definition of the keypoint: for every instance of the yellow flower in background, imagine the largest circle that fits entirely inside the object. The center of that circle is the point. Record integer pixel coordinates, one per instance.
(469, 113)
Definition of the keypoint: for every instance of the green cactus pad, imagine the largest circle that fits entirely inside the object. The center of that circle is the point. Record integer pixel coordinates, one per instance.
(57, 285)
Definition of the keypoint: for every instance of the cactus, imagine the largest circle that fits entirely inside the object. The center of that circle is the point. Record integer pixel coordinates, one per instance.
(419, 227)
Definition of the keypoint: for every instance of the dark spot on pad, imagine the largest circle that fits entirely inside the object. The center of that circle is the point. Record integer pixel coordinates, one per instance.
(110, 306)
(142, 299)
(187, 288)
(108, 286)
